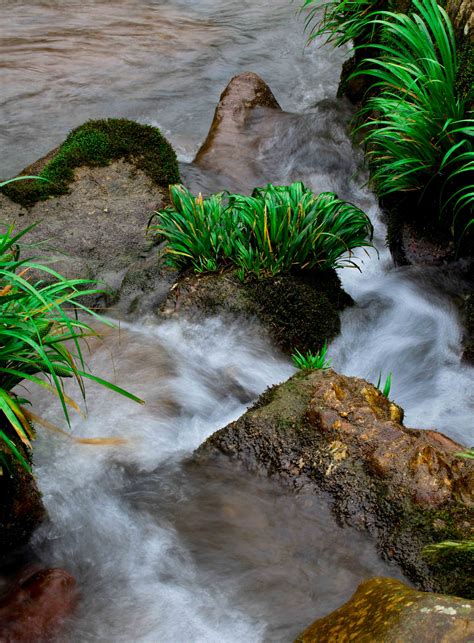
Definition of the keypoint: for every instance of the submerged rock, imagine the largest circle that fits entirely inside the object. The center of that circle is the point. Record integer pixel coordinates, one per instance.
(226, 145)
(385, 610)
(338, 434)
(37, 605)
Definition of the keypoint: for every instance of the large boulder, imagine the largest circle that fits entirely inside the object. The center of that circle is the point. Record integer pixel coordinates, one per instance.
(387, 611)
(103, 184)
(407, 487)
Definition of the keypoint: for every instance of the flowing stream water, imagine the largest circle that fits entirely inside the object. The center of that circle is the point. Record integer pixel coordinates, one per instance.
(164, 550)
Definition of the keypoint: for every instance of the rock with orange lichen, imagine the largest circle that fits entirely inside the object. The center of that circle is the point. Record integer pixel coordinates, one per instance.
(407, 487)
(388, 611)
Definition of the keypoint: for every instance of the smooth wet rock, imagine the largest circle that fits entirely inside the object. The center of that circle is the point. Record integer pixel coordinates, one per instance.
(37, 605)
(384, 610)
(226, 148)
(407, 487)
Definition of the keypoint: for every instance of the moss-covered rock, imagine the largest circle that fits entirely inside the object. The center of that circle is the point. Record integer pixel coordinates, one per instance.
(407, 487)
(97, 230)
(98, 143)
(387, 611)
(298, 310)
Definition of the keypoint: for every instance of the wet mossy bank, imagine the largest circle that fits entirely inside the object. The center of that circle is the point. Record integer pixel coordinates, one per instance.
(298, 310)
(21, 506)
(423, 216)
(408, 488)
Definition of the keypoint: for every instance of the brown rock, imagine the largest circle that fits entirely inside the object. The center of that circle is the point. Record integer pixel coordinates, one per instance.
(407, 487)
(226, 144)
(461, 13)
(36, 606)
(384, 610)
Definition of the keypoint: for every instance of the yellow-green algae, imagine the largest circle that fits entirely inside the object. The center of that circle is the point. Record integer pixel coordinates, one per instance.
(384, 610)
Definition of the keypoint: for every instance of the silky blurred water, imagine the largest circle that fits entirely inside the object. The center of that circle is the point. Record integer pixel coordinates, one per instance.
(165, 550)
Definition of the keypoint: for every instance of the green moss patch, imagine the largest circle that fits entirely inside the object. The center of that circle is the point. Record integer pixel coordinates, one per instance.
(98, 143)
(299, 310)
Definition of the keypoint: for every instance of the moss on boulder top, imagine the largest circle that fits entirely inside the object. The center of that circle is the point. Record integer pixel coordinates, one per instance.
(98, 143)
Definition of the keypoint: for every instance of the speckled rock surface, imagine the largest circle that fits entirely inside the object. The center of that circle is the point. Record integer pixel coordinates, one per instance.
(384, 610)
(407, 487)
(98, 229)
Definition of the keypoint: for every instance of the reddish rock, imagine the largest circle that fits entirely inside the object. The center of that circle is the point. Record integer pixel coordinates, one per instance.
(37, 605)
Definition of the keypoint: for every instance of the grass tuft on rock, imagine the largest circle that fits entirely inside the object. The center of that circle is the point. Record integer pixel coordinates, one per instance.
(98, 143)
(276, 230)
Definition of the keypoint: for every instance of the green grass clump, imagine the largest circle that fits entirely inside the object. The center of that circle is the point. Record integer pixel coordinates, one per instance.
(385, 389)
(277, 229)
(341, 21)
(449, 547)
(97, 143)
(416, 122)
(418, 133)
(312, 360)
(40, 334)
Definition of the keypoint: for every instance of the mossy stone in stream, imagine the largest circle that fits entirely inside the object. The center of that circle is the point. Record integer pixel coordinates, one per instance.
(299, 310)
(97, 143)
(408, 488)
(386, 610)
